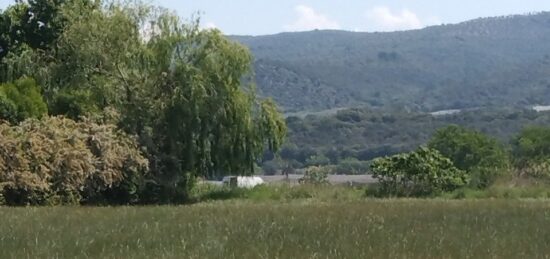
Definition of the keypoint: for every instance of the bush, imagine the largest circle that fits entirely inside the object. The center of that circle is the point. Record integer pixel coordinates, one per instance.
(532, 152)
(73, 104)
(59, 161)
(534, 168)
(483, 157)
(424, 172)
(21, 100)
(8, 109)
(315, 175)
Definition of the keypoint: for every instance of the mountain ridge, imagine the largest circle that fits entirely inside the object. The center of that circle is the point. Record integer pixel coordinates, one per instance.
(482, 62)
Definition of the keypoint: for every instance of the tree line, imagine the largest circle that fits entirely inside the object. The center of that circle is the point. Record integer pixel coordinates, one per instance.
(457, 157)
(347, 141)
(122, 102)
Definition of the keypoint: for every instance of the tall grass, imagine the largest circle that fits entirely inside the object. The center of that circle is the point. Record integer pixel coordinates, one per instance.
(299, 229)
(278, 192)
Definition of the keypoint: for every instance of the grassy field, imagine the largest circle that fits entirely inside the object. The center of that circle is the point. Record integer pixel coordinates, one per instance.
(278, 229)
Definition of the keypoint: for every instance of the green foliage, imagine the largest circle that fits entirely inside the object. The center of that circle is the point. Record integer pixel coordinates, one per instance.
(508, 190)
(276, 192)
(532, 152)
(59, 161)
(34, 25)
(8, 109)
(4, 37)
(424, 172)
(373, 136)
(212, 124)
(270, 229)
(317, 160)
(483, 157)
(37, 23)
(315, 175)
(187, 93)
(271, 167)
(73, 104)
(20, 100)
(352, 166)
(532, 143)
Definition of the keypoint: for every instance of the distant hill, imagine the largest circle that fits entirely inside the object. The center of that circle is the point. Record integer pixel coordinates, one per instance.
(501, 61)
(365, 134)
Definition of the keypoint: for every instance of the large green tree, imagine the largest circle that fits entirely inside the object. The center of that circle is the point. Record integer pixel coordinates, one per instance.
(34, 24)
(187, 93)
(476, 153)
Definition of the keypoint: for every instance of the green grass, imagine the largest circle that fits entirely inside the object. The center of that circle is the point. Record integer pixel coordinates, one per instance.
(302, 228)
(280, 192)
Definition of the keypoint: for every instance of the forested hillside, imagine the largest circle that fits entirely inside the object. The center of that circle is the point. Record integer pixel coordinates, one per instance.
(485, 62)
(365, 134)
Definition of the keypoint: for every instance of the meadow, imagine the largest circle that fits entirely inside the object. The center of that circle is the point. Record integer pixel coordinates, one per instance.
(284, 228)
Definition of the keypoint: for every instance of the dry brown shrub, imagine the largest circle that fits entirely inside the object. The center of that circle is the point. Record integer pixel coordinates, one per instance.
(58, 160)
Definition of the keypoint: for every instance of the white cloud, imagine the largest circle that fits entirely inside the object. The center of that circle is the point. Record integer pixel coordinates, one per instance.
(386, 20)
(309, 19)
(209, 26)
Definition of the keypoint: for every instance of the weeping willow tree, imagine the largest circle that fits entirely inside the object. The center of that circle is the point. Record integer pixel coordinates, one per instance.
(187, 93)
(208, 119)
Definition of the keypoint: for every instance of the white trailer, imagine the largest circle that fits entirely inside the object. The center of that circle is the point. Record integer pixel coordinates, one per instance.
(242, 181)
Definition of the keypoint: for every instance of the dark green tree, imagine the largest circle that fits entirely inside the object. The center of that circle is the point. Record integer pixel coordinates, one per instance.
(21, 100)
(478, 154)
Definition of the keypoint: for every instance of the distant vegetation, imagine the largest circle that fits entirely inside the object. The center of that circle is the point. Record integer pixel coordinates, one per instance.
(364, 134)
(503, 61)
(418, 154)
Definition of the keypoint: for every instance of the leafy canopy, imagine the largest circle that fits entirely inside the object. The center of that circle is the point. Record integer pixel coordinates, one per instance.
(478, 154)
(21, 100)
(420, 173)
(532, 152)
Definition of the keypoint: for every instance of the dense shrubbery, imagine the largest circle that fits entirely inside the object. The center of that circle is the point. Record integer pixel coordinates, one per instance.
(20, 100)
(478, 159)
(60, 161)
(315, 175)
(532, 152)
(483, 157)
(421, 173)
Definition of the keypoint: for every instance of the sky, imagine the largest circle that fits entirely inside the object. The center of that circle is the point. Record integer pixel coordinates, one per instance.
(259, 17)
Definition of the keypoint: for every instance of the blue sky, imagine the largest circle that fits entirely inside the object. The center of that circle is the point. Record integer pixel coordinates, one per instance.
(256, 17)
